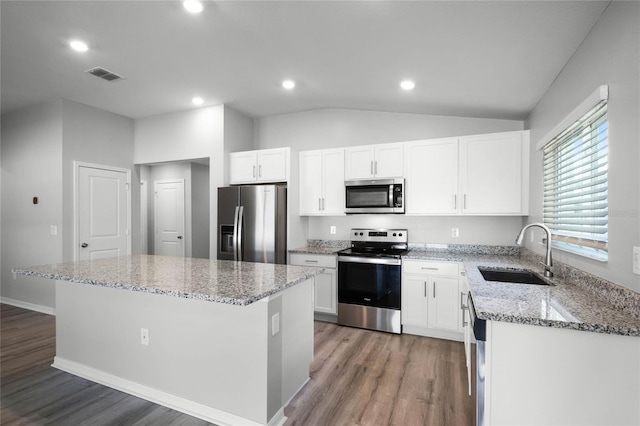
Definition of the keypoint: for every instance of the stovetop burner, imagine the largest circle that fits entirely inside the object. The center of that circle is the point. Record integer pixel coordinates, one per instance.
(377, 243)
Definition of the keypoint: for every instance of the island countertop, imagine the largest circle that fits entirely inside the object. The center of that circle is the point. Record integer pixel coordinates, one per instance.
(222, 281)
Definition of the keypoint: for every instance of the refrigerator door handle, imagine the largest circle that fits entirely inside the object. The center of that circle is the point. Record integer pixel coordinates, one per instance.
(235, 233)
(239, 230)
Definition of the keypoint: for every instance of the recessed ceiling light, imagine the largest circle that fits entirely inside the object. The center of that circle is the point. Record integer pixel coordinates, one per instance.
(288, 84)
(193, 6)
(407, 85)
(78, 46)
(197, 101)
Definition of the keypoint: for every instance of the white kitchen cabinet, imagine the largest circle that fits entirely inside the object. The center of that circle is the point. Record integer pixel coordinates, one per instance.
(471, 175)
(322, 182)
(260, 166)
(555, 376)
(374, 161)
(431, 177)
(494, 174)
(326, 290)
(431, 299)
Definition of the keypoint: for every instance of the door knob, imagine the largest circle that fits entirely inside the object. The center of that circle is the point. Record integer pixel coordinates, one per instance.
(84, 245)
(179, 237)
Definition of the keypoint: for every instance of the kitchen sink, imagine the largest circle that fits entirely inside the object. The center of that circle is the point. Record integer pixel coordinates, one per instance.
(507, 275)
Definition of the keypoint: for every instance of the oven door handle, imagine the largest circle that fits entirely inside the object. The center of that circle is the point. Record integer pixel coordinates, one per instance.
(372, 260)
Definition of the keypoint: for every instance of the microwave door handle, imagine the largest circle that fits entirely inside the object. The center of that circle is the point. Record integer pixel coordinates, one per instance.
(391, 204)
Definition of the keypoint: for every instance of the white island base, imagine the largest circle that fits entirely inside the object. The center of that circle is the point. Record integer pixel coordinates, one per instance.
(226, 364)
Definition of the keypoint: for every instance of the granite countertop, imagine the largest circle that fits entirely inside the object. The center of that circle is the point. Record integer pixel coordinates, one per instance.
(576, 301)
(222, 281)
(316, 250)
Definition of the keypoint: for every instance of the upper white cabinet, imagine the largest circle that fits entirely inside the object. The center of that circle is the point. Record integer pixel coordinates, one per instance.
(494, 174)
(322, 182)
(431, 177)
(374, 161)
(266, 165)
(471, 175)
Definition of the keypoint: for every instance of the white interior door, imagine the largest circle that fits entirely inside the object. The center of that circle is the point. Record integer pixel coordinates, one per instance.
(103, 212)
(169, 217)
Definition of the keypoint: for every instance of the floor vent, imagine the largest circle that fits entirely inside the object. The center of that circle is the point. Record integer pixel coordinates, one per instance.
(104, 74)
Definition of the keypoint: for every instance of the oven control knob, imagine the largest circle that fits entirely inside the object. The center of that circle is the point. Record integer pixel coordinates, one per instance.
(355, 233)
(400, 234)
(361, 234)
(394, 234)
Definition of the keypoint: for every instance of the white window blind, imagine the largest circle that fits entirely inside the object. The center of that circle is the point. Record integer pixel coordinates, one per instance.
(575, 185)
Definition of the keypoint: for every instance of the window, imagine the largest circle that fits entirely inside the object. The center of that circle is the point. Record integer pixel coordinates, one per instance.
(575, 185)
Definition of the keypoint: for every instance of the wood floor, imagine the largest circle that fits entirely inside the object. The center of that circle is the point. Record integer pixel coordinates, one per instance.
(358, 377)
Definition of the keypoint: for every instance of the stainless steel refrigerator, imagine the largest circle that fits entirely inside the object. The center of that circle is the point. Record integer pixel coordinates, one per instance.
(252, 223)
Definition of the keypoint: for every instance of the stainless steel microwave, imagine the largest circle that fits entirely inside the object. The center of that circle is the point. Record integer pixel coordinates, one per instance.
(374, 196)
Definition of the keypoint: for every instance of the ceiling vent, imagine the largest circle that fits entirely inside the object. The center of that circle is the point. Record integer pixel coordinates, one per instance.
(105, 74)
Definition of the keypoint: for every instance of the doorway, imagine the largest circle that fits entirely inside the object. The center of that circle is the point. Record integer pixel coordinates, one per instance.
(102, 211)
(195, 174)
(169, 217)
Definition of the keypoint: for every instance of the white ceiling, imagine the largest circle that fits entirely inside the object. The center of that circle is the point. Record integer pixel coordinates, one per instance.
(476, 58)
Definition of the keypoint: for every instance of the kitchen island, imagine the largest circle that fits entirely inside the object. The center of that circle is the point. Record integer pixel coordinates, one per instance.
(228, 342)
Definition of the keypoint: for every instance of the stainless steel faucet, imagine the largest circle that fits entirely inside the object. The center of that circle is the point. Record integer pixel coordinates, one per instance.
(547, 261)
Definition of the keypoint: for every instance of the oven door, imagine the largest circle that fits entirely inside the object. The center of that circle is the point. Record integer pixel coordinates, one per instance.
(369, 281)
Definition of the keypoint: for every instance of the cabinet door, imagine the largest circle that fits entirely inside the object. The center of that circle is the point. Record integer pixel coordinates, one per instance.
(358, 163)
(415, 300)
(333, 182)
(242, 167)
(492, 173)
(444, 306)
(431, 177)
(272, 165)
(389, 161)
(311, 182)
(326, 292)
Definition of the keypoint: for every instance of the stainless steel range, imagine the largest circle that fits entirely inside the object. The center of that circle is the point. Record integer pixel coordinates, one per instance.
(369, 277)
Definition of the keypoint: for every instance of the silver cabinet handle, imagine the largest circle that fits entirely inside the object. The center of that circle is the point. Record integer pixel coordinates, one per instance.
(434, 289)
(371, 168)
(311, 261)
(455, 201)
(254, 171)
(425, 289)
(323, 206)
(464, 201)
(375, 167)
(319, 203)
(429, 268)
(260, 170)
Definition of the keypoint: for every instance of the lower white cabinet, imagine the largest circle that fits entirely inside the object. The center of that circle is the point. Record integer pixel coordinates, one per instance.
(326, 290)
(431, 299)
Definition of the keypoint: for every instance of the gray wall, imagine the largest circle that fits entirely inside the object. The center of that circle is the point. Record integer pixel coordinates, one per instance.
(185, 135)
(39, 146)
(608, 55)
(200, 215)
(238, 136)
(332, 128)
(31, 167)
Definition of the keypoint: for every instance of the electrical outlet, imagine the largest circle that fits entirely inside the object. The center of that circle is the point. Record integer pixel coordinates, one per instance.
(54, 230)
(455, 232)
(636, 260)
(144, 336)
(333, 230)
(275, 323)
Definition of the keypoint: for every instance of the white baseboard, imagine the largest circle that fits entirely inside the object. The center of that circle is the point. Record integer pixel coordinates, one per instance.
(156, 396)
(30, 306)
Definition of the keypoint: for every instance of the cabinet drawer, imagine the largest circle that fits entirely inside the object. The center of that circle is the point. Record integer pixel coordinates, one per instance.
(449, 269)
(323, 260)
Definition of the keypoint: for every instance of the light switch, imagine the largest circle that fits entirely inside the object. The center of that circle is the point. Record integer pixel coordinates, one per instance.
(332, 230)
(636, 260)
(54, 230)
